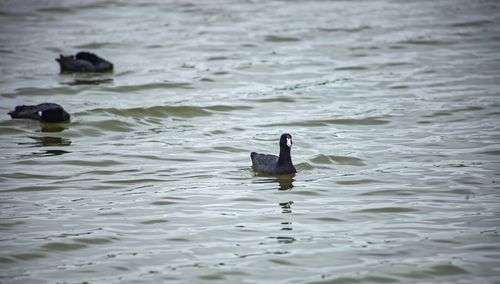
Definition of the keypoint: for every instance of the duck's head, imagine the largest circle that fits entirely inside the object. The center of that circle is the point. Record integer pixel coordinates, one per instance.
(65, 58)
(286, 140)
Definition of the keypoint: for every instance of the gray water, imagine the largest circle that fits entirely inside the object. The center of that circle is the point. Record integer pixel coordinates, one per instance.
(394, 108)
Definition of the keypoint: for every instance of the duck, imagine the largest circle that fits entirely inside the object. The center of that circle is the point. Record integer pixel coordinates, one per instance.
(83, 62)
(272, 164)
(45, 112)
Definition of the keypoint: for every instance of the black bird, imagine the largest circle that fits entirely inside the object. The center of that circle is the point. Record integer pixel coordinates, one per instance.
(83, 62)
(47, 112)
(274, 165)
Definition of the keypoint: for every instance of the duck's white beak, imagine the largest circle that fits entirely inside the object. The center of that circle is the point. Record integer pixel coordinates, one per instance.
(289, 142)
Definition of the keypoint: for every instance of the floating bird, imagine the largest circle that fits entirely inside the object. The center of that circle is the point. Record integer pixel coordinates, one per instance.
(274, 165)
(83, 62)
(46, 112)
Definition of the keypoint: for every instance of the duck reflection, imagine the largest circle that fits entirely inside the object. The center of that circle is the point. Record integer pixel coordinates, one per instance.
(45, 153)
(88, 81)
(46, 141)
(52, 127)
(286, 206)
(285, 240)
(285, 182)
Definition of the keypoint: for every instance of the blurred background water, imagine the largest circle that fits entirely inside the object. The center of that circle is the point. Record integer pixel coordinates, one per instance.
(393, 106)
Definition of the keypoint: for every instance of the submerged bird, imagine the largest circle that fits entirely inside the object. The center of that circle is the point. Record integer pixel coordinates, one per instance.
(47, 112)
(274, 165)
(83, 62)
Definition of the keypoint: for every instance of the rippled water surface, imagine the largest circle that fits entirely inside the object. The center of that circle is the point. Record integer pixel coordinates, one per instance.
(394, 108)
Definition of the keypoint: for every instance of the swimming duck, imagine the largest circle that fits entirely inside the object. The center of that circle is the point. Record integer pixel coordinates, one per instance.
(274, 165)
(46, 112)
(83, 62)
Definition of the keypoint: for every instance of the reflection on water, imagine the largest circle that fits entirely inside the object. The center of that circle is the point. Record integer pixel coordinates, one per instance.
(393, 106)
(286, 226)
(284, 239)
(286, 206)
(285, 182)
(46, 153)
(17, 125)
(81, 81)
(52, 127)
(47, 141)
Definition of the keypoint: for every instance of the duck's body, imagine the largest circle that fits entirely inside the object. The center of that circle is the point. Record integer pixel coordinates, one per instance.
(47, 112)
(83, 62)
(272, 164)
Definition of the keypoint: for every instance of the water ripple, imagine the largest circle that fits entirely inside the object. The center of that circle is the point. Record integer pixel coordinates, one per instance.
(393, 109)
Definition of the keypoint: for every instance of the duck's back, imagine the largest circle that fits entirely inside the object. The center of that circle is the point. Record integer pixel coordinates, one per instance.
(24, 111)
(84, 62)
(98, 64)
(75, 65)
(268, 164)
(263, 163)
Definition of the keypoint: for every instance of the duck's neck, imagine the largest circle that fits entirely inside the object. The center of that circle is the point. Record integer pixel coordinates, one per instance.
(285, 157)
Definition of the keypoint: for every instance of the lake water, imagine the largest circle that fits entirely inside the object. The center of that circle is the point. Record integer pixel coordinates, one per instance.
(394, 108)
